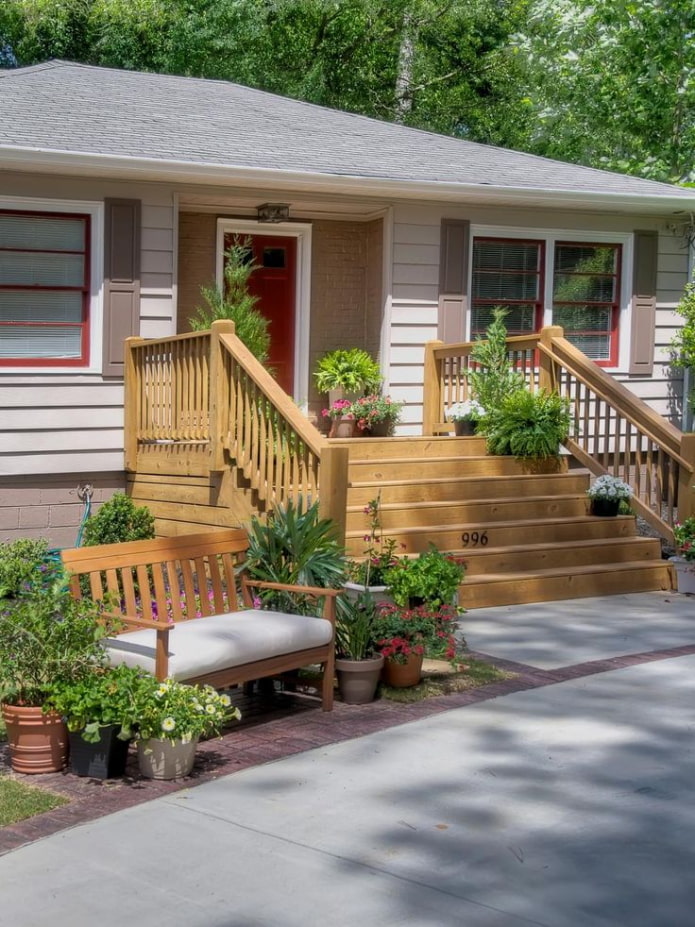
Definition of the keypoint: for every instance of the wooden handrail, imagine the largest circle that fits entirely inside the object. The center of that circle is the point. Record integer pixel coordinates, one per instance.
(205, 392)
(615, 431)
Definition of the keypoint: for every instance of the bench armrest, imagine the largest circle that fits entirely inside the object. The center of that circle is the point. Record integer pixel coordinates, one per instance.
(328, 594)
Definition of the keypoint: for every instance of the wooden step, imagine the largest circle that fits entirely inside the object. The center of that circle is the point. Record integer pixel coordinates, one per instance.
(559, 583)
(411, 446)
(501, 534)
(406, 468)
(464, 488)
(481, 561)
(402, 516)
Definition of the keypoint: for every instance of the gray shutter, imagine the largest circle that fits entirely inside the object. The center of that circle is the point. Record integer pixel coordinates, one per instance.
(121, 280)
(453, 279)
(643, 328)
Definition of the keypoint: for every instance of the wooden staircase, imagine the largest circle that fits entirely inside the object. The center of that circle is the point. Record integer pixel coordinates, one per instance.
(525, 533)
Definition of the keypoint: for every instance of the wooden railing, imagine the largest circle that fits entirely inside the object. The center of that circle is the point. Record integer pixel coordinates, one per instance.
(614, 431)
(204, 396)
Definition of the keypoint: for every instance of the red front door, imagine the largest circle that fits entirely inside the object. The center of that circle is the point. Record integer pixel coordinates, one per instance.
(274, 283)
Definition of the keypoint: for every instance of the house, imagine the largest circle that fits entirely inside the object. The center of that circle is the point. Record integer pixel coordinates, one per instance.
(120, 190)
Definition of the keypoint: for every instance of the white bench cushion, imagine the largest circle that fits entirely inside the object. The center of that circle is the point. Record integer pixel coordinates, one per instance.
(216, 642)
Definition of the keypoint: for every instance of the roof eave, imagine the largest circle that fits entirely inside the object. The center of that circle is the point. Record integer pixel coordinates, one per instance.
(157, 170)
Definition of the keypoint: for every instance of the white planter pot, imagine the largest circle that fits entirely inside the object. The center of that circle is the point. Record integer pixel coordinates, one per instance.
(378, 593)
(162, 759)
(685, 574)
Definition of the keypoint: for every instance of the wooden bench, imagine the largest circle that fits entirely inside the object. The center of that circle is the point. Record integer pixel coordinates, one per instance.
(158, 587)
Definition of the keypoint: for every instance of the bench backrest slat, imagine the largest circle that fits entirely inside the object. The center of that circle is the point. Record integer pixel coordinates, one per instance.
(167, 578)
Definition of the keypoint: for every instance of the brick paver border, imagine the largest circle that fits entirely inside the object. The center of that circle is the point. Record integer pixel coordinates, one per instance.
(289, 724)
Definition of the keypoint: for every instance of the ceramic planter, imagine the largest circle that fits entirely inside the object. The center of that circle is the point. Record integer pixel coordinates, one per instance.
(105, 759)
(403, 675)
(606, 508)
(358, 679)
(378, 593)
(343, 428)
(685, 574)
(162, 759)
(38, 742)
(464, 428)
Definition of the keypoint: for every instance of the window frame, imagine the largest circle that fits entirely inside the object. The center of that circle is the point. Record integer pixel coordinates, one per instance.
(619, 360)
(540, 274)
(90, 360)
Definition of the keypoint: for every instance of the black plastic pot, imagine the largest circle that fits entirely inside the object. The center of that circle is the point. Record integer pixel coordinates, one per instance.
(105, 759)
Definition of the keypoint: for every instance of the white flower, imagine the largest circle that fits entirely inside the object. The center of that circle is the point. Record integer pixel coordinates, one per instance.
(210, 709)
(168, 724)
(225, 700)
(461, 410)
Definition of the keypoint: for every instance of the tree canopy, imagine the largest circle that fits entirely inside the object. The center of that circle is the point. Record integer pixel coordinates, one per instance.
(608, 83)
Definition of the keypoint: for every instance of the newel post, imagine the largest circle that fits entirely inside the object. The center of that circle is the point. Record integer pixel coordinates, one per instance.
(686, 478)
(333, 480)
(131, 404)
(546, 377)
(219, 392)
(431, 388)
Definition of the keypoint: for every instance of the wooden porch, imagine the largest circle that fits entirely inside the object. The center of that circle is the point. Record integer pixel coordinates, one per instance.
(211, 439)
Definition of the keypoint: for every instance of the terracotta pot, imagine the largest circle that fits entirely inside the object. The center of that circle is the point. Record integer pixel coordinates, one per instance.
(162, 759)
(403, 675)
(685, 574)
(464, 428)
(38, 742)
(358, 679)
(606, 508)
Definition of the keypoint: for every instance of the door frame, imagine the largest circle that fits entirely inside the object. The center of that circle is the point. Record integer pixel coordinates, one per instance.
(301, 231)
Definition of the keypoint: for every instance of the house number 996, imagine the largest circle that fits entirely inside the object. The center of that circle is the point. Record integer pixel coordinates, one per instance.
(474, 538)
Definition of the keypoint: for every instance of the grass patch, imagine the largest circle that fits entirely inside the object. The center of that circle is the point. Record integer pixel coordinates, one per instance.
(441, 680)
(19, 801)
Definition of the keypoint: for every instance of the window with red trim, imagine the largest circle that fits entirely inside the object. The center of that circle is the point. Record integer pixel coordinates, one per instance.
(586, 293)
(44, 289)
(507, 273)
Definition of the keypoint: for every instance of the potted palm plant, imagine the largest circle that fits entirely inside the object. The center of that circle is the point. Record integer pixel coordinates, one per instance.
(47, 638)
(358, 665)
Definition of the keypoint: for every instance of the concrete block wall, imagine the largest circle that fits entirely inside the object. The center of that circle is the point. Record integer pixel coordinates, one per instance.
(49, 506)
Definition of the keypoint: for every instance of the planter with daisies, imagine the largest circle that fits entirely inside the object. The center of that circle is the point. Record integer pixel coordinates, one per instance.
(171, 718)
(465, 416)
(607, 494)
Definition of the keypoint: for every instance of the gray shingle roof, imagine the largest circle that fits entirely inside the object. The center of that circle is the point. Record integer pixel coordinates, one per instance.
(65, 107)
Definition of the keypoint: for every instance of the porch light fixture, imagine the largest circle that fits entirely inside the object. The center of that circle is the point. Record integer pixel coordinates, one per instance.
(273, 212)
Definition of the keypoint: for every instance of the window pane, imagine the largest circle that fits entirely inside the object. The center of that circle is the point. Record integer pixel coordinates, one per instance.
(42, 233)
(583, 318)
(596, 347)
(578, 289)
(505, 286)
(519, 321)
(42, 341)
(40, 306)
(26, 269)
(506, 256)
(586, 259)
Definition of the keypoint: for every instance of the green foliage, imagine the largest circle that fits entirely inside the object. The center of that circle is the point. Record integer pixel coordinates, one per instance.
(528, 424)
(48, 638)
(355, 628)
(353, 370)
(432, 578)
(683, 342)
(104, 696)
(118, 520)
(24, 563)
(379, 554)
(295, 545)
(375, 409)
(401, 632)
(236, 303)
(684, 534)
(173, 711)
(491, 377)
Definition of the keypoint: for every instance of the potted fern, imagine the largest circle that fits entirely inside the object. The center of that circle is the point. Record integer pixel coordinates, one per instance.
(347, 374)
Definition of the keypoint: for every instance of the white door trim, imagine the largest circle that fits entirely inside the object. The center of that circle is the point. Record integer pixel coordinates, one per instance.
(302, 232)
